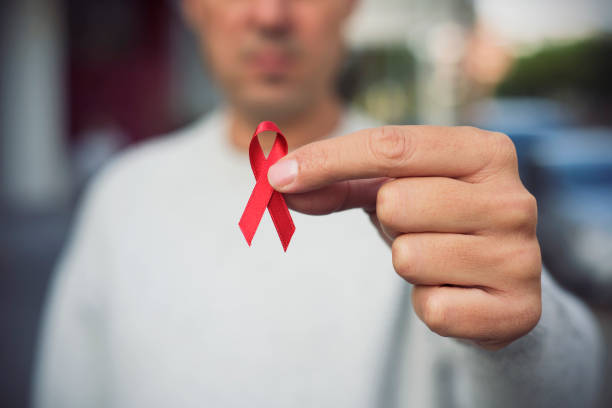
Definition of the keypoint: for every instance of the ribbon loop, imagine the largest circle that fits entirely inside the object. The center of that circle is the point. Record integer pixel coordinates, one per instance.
(263, 195)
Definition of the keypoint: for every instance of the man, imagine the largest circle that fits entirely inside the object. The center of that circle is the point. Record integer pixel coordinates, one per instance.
(160, 302)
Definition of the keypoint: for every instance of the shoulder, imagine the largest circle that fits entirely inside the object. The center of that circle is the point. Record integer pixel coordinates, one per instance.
(163, 154)
(152, 166)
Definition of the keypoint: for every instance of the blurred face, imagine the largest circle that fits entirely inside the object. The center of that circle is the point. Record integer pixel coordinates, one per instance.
(272, 57)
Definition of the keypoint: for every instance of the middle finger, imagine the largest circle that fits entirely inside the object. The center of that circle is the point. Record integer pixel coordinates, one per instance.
(434, 204)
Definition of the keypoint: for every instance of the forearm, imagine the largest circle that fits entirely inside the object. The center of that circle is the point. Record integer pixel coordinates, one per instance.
(557, 364)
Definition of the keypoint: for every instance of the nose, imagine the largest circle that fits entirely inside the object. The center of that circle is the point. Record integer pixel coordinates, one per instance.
(271, 16)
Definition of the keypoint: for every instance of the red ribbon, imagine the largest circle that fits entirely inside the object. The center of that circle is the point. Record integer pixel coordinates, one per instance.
(263, 194)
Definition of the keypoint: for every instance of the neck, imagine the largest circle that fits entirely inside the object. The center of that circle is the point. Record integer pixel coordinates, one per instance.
(315, 123)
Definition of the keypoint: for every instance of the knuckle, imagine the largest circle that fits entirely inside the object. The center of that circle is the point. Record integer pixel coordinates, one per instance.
(435, 315)
(523, 262)
(385, 199)
(402, 260)
(530, 261)
(526, 213)
(504, 151)
(535, 311)
(529, 313)
(389, 145)
(517, 212)
(529, 209)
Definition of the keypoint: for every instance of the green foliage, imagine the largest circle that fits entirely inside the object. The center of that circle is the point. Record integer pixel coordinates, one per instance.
(581, 68)
(380, 81)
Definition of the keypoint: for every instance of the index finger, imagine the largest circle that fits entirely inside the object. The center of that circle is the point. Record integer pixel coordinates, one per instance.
(394, 151)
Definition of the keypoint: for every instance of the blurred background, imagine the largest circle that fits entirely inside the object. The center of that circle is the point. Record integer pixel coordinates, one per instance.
(82, 79)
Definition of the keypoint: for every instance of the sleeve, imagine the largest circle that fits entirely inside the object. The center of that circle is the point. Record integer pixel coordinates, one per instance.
(70, 364)
(558, 364)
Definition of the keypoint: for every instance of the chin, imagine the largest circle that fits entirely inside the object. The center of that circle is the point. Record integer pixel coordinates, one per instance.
(273, 104)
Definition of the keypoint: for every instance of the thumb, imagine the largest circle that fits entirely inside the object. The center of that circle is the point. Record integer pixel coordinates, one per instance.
(338, 196)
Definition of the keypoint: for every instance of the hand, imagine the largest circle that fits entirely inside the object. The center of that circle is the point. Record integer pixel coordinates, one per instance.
(450, 202)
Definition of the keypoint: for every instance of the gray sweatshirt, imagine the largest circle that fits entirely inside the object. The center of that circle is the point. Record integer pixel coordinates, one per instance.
(159, 302)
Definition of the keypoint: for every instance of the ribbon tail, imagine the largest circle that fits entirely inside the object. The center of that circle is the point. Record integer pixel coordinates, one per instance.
(255, 208)
(279, 212)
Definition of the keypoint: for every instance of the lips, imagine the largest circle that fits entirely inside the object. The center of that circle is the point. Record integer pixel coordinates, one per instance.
(271, 62)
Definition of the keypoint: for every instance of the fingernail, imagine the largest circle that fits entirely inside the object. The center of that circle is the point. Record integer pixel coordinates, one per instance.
(282, 173)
